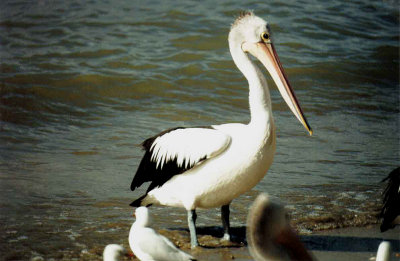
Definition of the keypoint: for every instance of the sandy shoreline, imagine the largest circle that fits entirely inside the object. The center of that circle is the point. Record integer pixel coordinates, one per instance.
(354, 243)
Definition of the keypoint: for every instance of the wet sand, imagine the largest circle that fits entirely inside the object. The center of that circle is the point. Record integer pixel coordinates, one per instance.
(354, 243)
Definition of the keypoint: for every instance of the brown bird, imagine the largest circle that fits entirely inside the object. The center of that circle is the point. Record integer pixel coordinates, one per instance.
(269, 234)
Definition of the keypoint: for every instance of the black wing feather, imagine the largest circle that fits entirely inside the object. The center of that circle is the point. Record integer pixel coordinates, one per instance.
(391, 200)
(148, 171)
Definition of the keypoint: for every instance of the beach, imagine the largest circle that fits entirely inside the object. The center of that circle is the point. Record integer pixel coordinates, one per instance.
(353, 243)
(84, 83)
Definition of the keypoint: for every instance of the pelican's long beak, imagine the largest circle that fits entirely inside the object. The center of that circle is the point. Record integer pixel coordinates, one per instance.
(265, 52)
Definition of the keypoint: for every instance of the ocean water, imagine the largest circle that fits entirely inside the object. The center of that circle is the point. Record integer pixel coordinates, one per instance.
(83, 83)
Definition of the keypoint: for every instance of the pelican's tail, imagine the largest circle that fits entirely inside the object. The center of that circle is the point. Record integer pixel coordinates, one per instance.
(138, 202)
(142, 201)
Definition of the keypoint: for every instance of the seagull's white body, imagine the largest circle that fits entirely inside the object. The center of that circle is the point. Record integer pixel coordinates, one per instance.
(209, 167)
(148, 245)
(113, 252)
(384, 251)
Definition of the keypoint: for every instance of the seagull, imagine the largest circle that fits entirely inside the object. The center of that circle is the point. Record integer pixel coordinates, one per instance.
(390, 212)
(269, 234)
(208, 167)
(148, 245)
(113, 252)
(384, 251)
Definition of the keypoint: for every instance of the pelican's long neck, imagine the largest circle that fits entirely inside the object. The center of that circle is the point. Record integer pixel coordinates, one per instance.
(259, 96)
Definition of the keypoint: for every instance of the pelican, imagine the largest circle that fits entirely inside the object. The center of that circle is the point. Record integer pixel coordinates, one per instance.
(148, 245)
(208, 167)
(269, 234)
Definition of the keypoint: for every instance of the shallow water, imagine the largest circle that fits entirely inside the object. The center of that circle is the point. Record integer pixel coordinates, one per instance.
(82, 84)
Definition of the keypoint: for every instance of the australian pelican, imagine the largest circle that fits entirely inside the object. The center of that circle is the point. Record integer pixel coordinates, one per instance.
(208, 167)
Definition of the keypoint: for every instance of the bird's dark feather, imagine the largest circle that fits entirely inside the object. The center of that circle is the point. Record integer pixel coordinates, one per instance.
(149, 172)
(391, 200)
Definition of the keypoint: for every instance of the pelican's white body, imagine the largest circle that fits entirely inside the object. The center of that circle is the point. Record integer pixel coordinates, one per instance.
(224, 177)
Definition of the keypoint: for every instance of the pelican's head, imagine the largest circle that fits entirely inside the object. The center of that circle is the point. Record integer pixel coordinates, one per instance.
(143, 218)
(251, 34)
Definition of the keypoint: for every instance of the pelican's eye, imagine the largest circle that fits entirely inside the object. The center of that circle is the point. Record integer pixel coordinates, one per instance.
(265, 36)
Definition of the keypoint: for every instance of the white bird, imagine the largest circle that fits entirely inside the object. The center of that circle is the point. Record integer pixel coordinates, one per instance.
(148, 245)
(269, 234)
(113, 252)
(384, 251)
(209, 167)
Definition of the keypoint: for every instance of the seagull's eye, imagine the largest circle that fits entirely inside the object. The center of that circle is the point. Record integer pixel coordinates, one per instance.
(265, 36)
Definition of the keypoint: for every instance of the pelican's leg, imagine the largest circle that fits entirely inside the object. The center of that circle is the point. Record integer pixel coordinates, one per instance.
(225, 222)
(192, 216)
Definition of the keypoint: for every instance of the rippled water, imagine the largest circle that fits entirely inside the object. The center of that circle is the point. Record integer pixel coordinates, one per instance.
(83, 83)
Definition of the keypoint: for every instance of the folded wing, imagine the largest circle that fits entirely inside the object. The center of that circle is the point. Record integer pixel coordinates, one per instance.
(174, 151)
